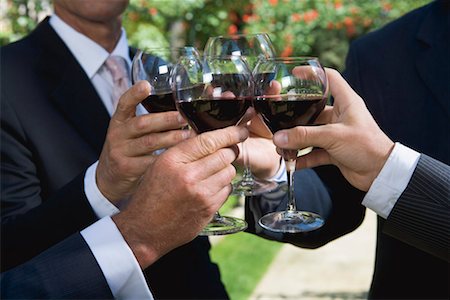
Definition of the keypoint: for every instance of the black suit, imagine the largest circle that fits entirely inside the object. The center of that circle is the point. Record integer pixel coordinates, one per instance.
(403, 73)
(53, 125)
(55, 274)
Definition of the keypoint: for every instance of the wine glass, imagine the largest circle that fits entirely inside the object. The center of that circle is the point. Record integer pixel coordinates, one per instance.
(251, 47)
(155, 66)
(214, 93)
(290, 92)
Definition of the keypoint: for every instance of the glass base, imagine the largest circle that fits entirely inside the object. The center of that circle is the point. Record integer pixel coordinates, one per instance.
(291, 221)
(253, 187)
(223, 225)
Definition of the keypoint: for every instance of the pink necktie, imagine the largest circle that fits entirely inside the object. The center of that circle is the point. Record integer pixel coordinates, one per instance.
(116, 66)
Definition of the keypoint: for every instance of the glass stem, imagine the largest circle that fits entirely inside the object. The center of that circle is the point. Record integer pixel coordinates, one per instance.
(290, 169)
(247, 175)
(216, 217)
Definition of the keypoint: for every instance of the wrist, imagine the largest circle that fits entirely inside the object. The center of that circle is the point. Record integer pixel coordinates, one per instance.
(103, 186)
(143, 248)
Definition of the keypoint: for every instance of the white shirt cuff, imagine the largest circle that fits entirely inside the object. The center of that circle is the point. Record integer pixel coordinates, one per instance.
(100, 205)
(392, 180)
(280, 175)
(116, 260)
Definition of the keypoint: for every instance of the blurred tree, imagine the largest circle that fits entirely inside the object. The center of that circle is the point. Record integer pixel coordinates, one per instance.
(320, 28)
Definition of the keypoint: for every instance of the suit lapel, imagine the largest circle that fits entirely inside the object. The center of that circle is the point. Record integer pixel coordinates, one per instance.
(433, 39)
(71, 90)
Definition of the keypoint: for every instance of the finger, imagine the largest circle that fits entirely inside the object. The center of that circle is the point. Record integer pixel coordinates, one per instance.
(250, 113)
(274, 88)
(220, 197)
(126, 108)
(325, 116)
(154, 122)
(318, 157)
(207, 143)
(340, 89)
(220, 179)
(304, 136)
(215, 162)
(146, 144)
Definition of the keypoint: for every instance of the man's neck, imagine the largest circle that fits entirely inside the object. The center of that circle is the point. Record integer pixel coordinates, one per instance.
(106, 34)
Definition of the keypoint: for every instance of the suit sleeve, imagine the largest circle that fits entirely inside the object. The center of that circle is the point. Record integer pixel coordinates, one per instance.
(67, 270)
(29, 224)
(420, 216)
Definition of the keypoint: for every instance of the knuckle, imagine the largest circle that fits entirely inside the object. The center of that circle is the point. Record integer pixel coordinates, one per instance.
(141, 123)
(149, 142)
(207, 143)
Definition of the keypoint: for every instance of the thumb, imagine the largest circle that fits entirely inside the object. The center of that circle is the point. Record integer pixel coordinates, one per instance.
(305, 136)
(207, 143)
(126, 108)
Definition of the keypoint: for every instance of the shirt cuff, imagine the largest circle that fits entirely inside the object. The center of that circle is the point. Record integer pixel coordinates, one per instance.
(100, 205)
(392, 180)
(116, 260)
(280, 175)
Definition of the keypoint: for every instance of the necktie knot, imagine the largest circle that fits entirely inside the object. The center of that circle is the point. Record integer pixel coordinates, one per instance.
(116, 65)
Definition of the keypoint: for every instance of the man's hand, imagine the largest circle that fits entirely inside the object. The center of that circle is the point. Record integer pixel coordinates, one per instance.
(130, 142)
(179, 193)
(351, 139)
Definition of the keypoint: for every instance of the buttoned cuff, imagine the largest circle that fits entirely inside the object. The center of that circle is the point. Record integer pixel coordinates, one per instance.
(116, 260)
(101, 206)
(392, 180)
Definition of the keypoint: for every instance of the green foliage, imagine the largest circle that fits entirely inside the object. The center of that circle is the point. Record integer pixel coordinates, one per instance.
(243, 259)
(320, 28)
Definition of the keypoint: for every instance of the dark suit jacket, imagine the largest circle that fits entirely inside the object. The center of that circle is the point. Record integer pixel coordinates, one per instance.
(53, 125)
(67, 270)
(420, 216)
(403, 73)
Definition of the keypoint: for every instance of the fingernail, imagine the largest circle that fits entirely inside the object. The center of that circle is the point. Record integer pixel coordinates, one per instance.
(185, 134)
(280, 139)
(180, 119)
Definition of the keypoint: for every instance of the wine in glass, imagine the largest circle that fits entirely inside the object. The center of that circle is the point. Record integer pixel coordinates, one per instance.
(214, 93)
(251, 47)
(290, 92)
(155, 66)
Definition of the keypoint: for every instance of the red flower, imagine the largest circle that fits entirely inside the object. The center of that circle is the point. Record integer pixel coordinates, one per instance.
(287, 51)
(310, 15)
(387, 6)
(232, 29)
(351, 30)
(273, 2)
(330, 26)
(246, 18)
(348, 21)
(337, 4)
(354, 10)
(153, 11)
(296, 17)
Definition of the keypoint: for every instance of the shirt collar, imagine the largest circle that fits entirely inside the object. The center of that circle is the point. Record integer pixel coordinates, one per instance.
(88, 53)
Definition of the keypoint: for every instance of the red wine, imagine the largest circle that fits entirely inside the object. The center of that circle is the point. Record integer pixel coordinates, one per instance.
(287, 111)
(159, 103)
(209, 114)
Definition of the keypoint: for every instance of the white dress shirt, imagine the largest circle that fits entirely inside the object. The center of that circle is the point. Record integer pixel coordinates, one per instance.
(115, 258)
(392, 180)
